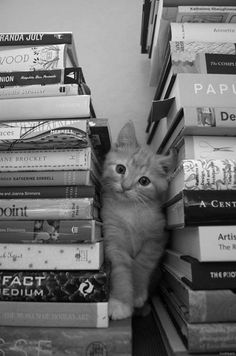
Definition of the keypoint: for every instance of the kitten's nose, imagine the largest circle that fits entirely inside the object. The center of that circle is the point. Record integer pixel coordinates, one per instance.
(126, 185)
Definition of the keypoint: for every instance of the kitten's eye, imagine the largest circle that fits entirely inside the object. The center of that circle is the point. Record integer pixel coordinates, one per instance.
(144, 181)
(120, 169)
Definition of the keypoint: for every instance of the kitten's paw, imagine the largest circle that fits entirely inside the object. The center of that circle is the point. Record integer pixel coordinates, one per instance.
(140, 301)
(119, 310)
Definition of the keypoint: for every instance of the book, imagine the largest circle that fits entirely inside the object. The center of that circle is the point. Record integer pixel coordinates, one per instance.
(77, 286)
(202, 337)
(202, 174)
(200, 275)
(198, 2)
(74, 106)
(48, 178)
(100, 136)
(28, 256)
(205, 32)
(50, 231)
(170, 335)
(43, 314)
(207, 14)
(216, 63)
(45, 192)
(47, 133)
(201, 208)
(68, 75)
(206, 243)
(51, 209)
(115, 340)
(44, 160)
(30, 58)
(200, 306)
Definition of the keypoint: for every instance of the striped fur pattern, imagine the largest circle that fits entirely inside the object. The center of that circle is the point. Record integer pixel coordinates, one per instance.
(134, 180)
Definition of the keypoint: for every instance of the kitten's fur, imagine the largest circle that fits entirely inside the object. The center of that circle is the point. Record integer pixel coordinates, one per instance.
(133, 220)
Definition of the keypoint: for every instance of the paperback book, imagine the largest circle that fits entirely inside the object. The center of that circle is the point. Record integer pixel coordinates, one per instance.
(208, 14)
(28, 256)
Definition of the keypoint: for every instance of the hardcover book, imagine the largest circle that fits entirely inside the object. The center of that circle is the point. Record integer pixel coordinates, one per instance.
(51, 209)
(28, 256)
(200, 306)
(50, 231)
(60, 314)
(115, 340)
(202, 174)
(55, 286)
(201, 207)
(206, 243)
(200, 275)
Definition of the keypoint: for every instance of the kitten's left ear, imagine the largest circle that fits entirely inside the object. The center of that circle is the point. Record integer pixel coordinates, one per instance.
(168, 161)
(127, 136)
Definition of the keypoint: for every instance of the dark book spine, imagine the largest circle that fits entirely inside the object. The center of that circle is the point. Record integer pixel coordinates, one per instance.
(34, 38)
(55, 286)
(209, 207)
(40, 192)
(218, 63)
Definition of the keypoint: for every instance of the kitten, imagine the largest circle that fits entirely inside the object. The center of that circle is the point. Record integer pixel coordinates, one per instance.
(134, 180)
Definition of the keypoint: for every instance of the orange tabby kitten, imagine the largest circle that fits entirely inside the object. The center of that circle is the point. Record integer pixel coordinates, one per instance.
(134, 180)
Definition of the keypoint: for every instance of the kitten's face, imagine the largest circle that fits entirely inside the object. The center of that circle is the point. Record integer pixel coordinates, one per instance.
(134, 172)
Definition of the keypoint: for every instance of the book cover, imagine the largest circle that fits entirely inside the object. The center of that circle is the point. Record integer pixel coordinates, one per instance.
(60, 314)
(48, 134)
(200, 306)
(55, 286)
(38, 209)
(207, 14)
(201, 207)
(115, 340)
(206, 243)
(202, 174)
(74, 106)
(202, 337)
(206, 32)
(35, 38)
(28, 256)
(200, 275)
(50, 231)
(48, 178)
(44, 160)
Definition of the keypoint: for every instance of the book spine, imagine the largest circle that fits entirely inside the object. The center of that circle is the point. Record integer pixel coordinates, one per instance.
(44, 192)
(40, 77)
(30, 209)
(55, 286)
(45, 160)
(53, 231)
(215, 63)
(54, 314)
(31, 91)
(211, 32)
(206, 14)
(28, 256)
(173, 3)
(35, 38)
(47, 178)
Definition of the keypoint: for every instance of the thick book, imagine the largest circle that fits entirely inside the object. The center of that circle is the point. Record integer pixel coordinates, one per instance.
(48, 178)
(216, 63)
(206, 243)
(206, 32)
(200, 306)
(40, 209)
(74, 106)
(38, 134)
(28, 256)
(202, 337)
(50, 231)
(202, 174)
(115, 340)
(201, 207)
(55, 286)
(60, 314)
(30, 58)
(44, 160)
(206, 14)
(200, 275)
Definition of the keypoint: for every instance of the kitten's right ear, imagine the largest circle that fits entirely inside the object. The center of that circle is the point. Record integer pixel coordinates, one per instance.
(127, 136)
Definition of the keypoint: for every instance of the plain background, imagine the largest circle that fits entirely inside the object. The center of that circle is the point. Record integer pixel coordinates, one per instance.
(107, 37)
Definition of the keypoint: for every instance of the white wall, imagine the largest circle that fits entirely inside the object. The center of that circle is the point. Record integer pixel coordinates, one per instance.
(107, 36)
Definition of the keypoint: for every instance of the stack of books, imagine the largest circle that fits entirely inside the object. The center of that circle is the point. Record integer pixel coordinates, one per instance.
(194, 117)
(54, 280)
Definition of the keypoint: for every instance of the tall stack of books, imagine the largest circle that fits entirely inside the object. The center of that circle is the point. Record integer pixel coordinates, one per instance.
(54, 280)
(194, 116)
